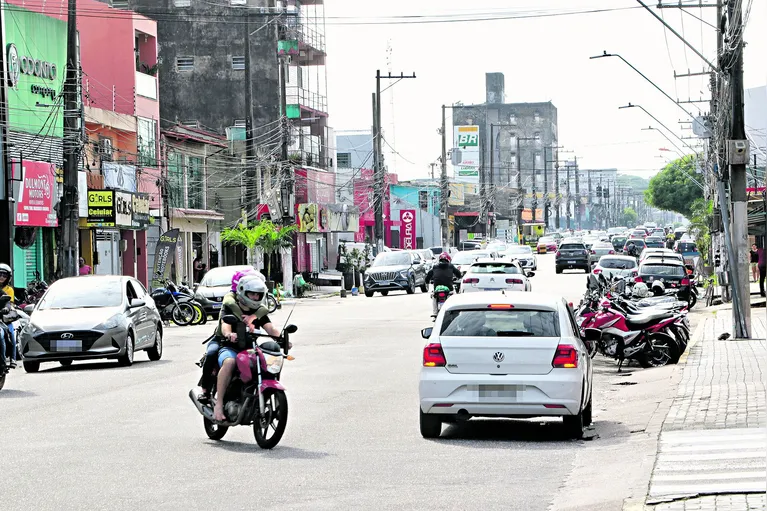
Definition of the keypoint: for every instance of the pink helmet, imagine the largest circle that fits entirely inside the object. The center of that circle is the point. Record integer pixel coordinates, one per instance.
(237, 276)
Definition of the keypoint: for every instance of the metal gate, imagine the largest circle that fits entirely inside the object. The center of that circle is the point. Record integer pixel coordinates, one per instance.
(108, 248)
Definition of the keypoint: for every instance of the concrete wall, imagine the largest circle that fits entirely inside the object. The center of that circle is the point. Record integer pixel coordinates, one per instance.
(359, 144)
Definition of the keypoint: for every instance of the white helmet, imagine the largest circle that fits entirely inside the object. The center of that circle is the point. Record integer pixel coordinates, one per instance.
(640, 290)
(251, 284)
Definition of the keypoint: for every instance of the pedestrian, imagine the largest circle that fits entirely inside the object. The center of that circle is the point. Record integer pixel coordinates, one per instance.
(762, 263)
(754, 263)
(199, 268)
(84, 268)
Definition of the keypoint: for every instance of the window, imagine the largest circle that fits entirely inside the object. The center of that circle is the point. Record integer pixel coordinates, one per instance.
(195, 183)
(240, 123)
(538, 159)
(500, 323)
(495, 268)
(537, 117)
(182, 3)
(120, 4)
(147, 142)
(238, 63)
(344, 160)
(184, 63)
(537, 136)
(191, 124)
(175, 180)
(513, 119)
(423, 199)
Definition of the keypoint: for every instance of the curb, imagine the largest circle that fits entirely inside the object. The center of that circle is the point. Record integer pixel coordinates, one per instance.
(695, 339)
(632, 504)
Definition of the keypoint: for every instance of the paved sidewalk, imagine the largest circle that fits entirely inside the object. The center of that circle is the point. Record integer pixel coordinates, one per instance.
(713, 444)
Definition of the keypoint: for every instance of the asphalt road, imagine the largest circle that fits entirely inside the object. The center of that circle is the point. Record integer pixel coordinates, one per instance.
(97, 436)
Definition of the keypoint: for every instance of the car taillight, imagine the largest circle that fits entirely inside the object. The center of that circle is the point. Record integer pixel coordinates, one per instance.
(433, 356)
(442, 295)
(514, 281)
(597, 270)
(593, 252)
(565, 357)
(611, 252)
(685, 282)
(637, 279)
(634, 273)
(470, 281)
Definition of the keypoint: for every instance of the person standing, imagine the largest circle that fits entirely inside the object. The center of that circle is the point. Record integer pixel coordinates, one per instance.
(754, 263)
(84, 268)
(762, 263)
(198, 267)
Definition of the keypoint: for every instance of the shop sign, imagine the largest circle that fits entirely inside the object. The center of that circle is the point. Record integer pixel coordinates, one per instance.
(165, 244)
(123, 209)
(343, 218)
(34, 206)
(82, 194)
(407, 229)
(309, 219)
(101, 208)
(140, 210)
(119, 177)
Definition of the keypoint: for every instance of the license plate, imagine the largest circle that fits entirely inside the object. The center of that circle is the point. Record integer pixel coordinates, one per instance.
(570, 262)
(491, 392)
(216, 305)
(66, 345)
(383, 282)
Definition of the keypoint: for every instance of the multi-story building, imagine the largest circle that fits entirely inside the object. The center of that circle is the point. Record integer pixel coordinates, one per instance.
(523, 138)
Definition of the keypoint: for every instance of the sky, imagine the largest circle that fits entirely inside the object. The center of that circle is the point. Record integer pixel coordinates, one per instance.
(542, 58)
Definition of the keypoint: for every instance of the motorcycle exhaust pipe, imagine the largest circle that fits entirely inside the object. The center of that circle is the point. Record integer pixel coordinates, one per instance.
(207, 411)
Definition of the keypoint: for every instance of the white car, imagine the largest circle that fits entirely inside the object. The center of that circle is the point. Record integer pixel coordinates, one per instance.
(495, 274)
(504, 355)
(462, 260)
(664, 252)
(522, 253)
(616, 266)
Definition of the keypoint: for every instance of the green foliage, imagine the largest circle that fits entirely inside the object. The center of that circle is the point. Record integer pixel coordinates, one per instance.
(265, 235)
(629, 217)
(636, 183)
(702, 212)
(672, 190)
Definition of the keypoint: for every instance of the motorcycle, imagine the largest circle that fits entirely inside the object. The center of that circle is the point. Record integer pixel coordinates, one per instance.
(255, 395)
(31, 294)
(441, 294)
(14, 320)
(173, 305)
(187, 295)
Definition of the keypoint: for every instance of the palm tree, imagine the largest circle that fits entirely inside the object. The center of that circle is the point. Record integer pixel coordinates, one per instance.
(265, 235)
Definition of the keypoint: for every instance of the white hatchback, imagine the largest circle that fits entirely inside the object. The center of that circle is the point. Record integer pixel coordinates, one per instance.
(515, 355)
(495, 274)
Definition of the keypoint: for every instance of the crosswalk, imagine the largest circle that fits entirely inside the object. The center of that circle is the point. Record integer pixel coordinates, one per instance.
(716, 461)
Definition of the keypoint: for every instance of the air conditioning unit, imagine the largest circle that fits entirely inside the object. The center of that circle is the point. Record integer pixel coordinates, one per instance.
(105, 149)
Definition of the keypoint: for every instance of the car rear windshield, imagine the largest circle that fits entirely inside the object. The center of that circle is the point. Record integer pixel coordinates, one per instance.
(655, 244)
(500, 323)
(468, 257)
(519, 250)
(617, 264)
(220, 276)
(662, 270)
(572, 246)
(687, 247)
(619, 240)
(494, 268)
(637, 243)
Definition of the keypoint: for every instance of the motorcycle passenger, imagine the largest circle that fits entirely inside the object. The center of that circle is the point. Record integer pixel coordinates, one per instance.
(442, 274)
(6, 278)
(246, 305)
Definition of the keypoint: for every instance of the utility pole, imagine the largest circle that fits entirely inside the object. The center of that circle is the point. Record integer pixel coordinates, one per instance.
(569, 214)
(69, 201)
(491, 201)
(577, 195)
(520, 194)
(379, 171)
(589, 197)
(535, 191)
(6, 187)
(253, 190)
(557, 195)
(286, 168)
(546, 189)
(740, 261)
(444, 186)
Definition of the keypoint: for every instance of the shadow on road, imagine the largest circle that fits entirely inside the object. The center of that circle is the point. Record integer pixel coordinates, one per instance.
(550, 432)
(96, 366)
(15, 394)
(279, 452)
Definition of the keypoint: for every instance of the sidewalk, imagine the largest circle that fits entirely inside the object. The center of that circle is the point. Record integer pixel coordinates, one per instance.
(713, 446)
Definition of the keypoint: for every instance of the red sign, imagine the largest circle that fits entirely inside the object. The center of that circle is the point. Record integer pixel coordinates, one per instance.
(407, 229)
(34, 207)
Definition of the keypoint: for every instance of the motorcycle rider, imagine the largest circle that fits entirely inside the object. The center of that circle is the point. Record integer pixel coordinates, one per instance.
(442, 274)
(247, 306)
(6, 277)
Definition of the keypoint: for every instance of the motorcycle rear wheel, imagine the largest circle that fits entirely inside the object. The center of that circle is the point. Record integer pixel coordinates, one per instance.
(182, 314)
(200, 318)
(269, 428)
(663, 353)
(213, 430)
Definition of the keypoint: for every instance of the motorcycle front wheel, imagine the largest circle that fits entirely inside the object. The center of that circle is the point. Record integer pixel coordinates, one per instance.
(182, 314)
(269, 427)
(271, 303)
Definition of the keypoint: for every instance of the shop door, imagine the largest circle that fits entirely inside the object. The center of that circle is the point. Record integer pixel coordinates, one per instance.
(108, 248)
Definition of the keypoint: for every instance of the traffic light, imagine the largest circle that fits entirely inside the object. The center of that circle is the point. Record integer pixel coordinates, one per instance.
(599, 190)
(607, 193)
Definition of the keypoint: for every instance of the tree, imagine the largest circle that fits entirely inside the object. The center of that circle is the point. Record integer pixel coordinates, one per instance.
(265, 235)
(629, 217)
(700, 220)
(672, 189)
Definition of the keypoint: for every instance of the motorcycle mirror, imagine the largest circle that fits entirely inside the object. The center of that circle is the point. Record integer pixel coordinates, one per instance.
(29, 308)
(592, 334)
(531, 274)
(291, 329)
(230, 319)
(4, 300)
(426, 332)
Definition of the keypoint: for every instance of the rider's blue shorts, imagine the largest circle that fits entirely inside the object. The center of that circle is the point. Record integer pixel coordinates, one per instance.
(225, 353)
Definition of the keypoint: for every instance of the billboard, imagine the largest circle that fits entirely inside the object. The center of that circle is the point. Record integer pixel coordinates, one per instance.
(309, 218)
(343, 218)
(34, 207)
(407, 229)
(119, 177)
(466, 138)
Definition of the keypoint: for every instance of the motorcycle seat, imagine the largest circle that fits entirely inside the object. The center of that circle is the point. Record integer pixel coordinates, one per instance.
(640, 320)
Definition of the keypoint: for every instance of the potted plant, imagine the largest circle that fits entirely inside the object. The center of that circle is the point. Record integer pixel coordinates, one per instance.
(345, 266)
(266, 236)
(356, 259)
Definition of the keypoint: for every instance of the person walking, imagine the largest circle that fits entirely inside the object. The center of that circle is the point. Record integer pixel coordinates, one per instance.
(754, 263)
(84, 268)
(762, 263)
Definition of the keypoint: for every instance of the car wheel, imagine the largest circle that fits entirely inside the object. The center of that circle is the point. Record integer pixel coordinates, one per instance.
(410, 287)
(155, 352)
(574, 425)
(384, 293)
(369, 294)
(126, 360)
(558, 269)
(424, 288)
(31, 367)
(65, 363)
(431, 425)
(587, 419)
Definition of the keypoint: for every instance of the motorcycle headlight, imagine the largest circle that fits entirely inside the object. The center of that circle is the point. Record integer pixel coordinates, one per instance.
(112, 322)
(273, 364)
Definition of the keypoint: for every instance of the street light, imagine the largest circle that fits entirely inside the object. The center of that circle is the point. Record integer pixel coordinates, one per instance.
(631, 105)
(650, 128)
(605, 54)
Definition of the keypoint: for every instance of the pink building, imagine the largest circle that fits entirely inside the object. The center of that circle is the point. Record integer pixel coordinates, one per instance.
(363, 199)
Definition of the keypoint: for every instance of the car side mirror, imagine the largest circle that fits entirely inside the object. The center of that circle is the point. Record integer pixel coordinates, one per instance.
(28, 309)
(291, 329)
(426, 332)
(531, 274)
(136, 303)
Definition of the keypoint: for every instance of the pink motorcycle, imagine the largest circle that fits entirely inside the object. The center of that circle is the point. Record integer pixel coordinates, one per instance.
(255, 395)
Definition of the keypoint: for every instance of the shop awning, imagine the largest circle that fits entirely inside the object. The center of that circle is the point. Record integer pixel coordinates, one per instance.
(197, 214)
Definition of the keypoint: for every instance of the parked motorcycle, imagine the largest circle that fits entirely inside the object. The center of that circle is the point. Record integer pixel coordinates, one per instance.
(173, 305)
(187, 295)
(255, 395)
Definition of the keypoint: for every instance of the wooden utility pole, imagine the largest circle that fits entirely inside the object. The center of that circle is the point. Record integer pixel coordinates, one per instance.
(444, 186)
(6, 197)
(69, 202)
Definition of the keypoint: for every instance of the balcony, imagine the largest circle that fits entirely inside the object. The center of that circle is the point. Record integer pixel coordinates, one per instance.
(146, 85)
(311, 42)
(302, 103)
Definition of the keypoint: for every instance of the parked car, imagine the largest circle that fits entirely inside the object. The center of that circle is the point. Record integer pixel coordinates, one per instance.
(616, 266)
(515, 355)
(671, 272)
(495, 275)
(523, 254)
(688, 249)
(546, 244)
(572, 256)
(396, 271)
(599, 249)
(462, 260)
(92, 317)
(214, 286)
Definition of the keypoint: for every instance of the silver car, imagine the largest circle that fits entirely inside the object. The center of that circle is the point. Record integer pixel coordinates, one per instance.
(616, 266)
(599, 249)
(92, 317)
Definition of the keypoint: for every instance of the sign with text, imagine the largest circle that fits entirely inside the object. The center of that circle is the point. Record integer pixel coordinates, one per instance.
(140, 210)
(466, 138)
(34, 207)
(101, 208)
(166, 250)
(407, 229)
(123, 209)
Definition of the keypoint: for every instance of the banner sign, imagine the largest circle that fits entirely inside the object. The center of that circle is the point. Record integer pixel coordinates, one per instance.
(119, 177)
(34, 207)
(101, 208)
(407, 229)
(164, 254)
(466, 138)
(343, 218)
(309, 218)
(123, 209)
(140, 210)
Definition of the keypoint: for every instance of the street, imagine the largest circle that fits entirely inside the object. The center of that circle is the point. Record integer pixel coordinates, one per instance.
(103, 437)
